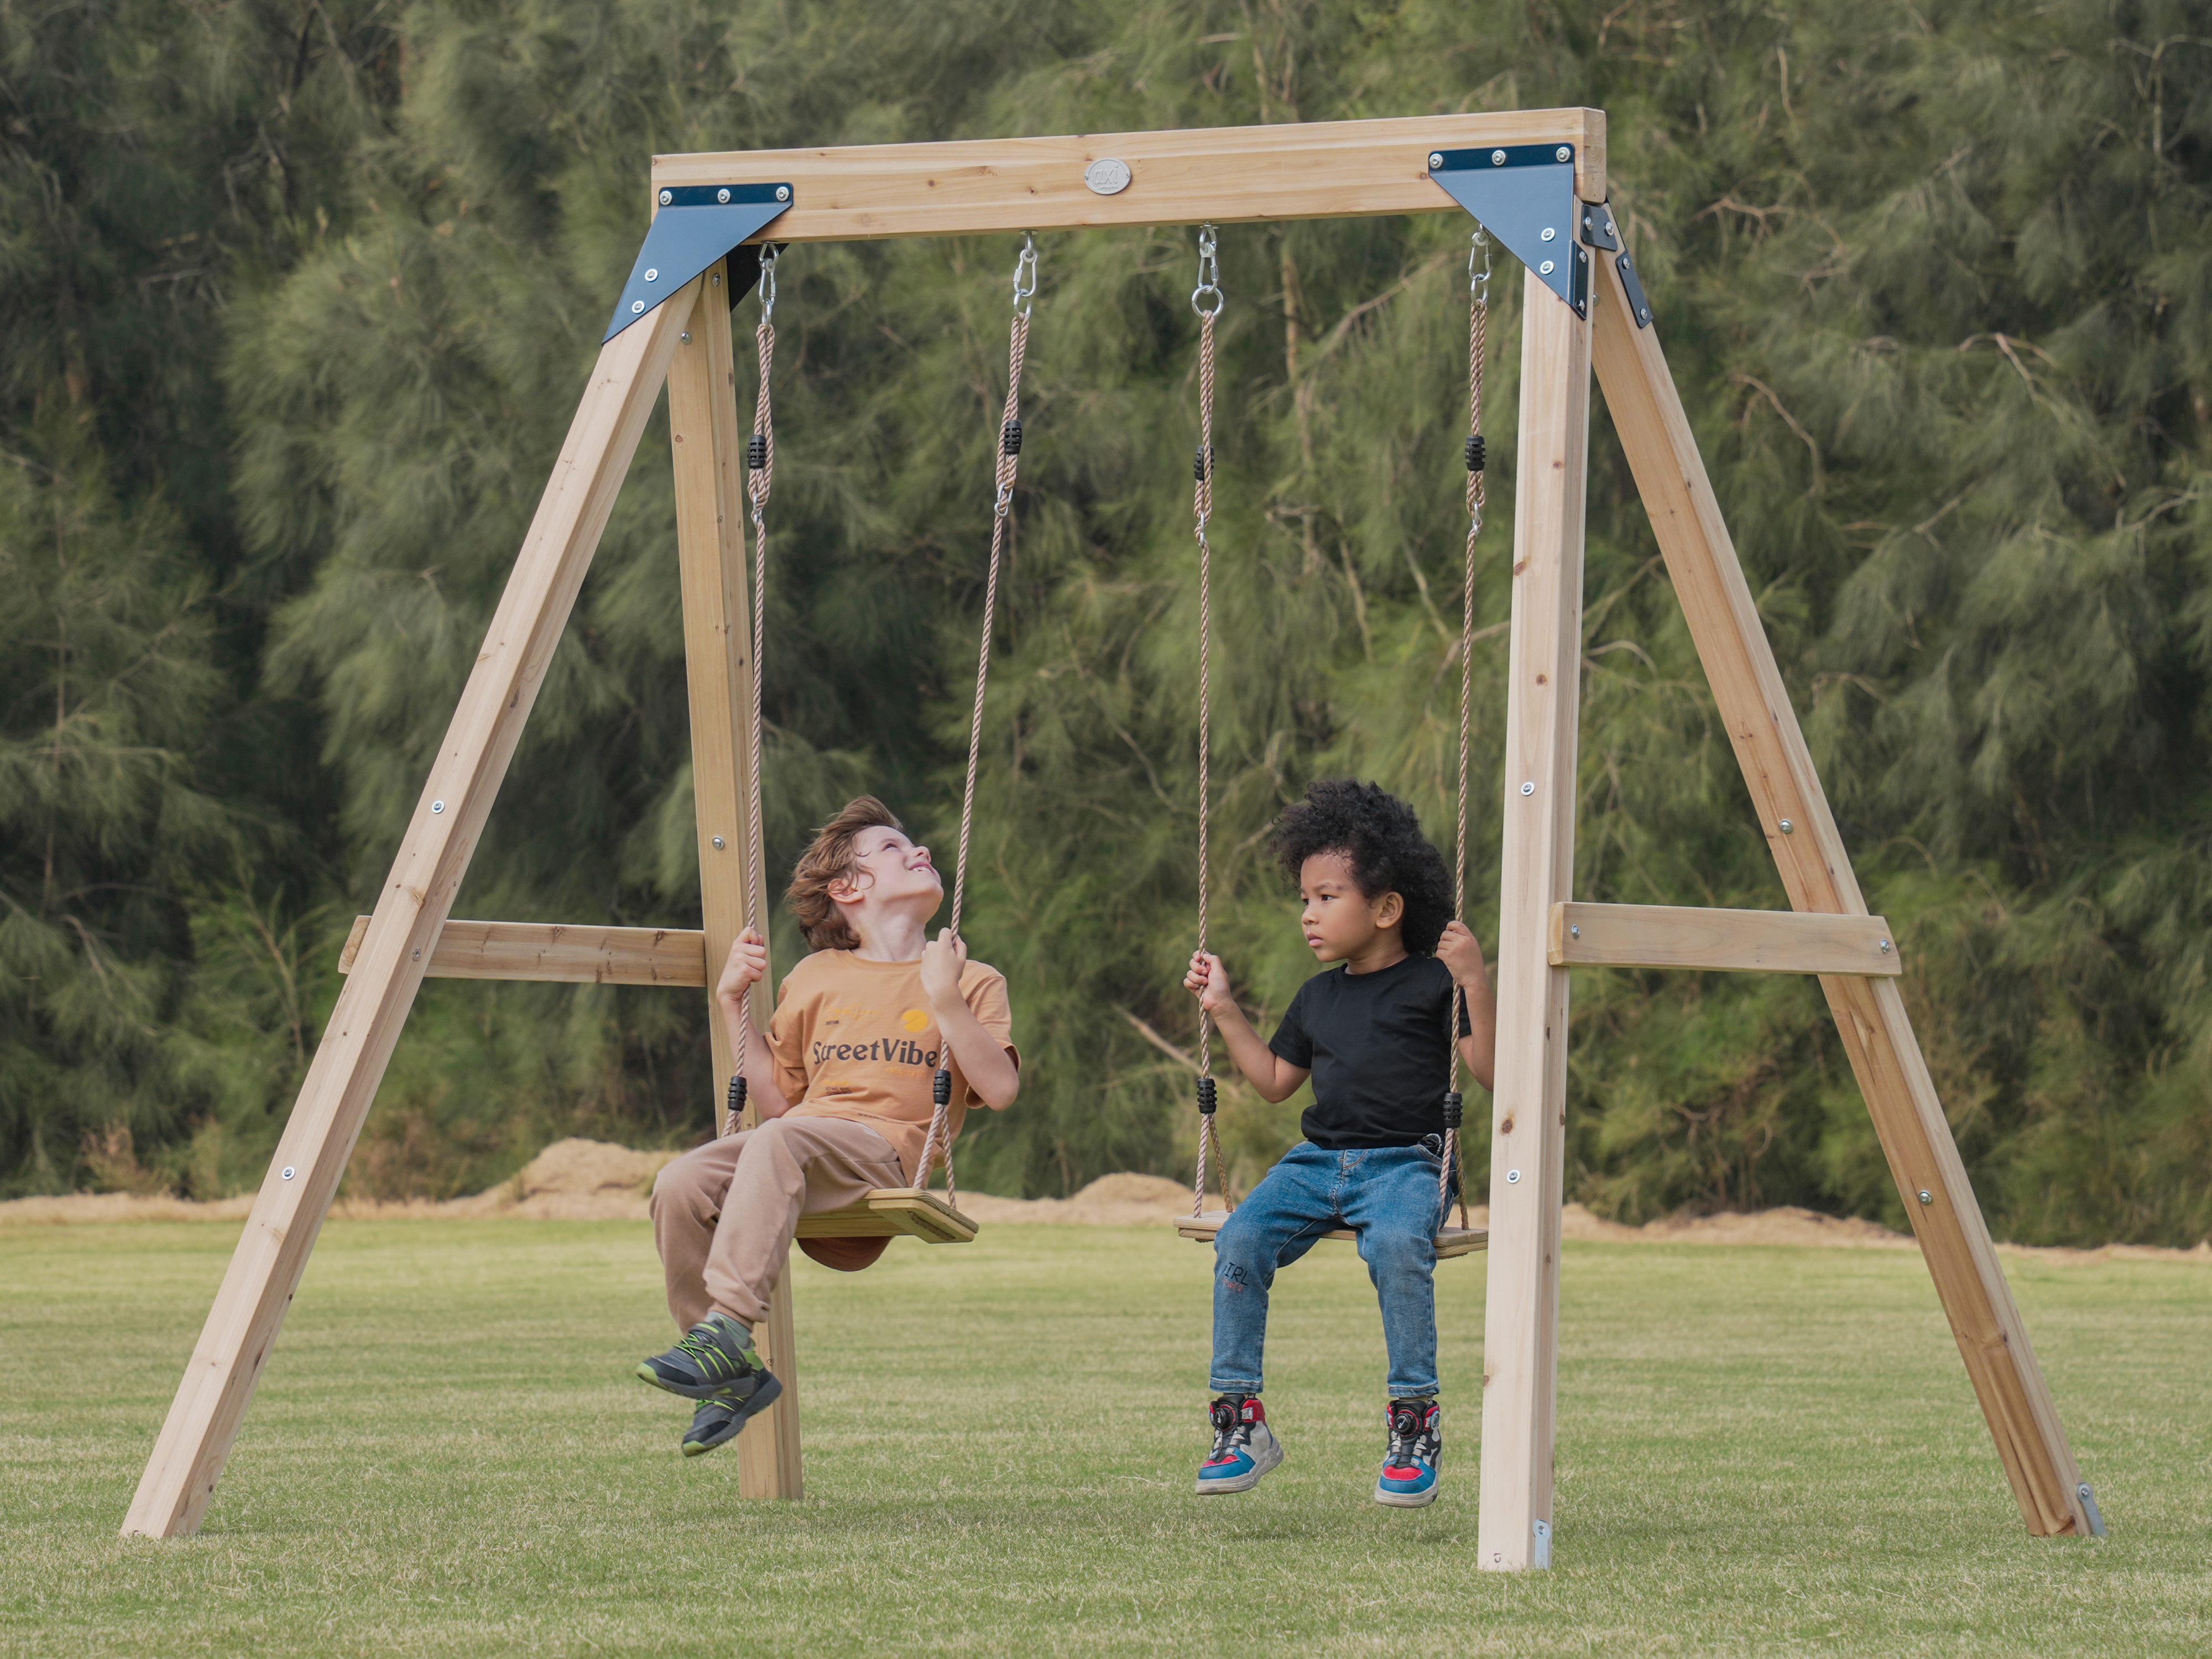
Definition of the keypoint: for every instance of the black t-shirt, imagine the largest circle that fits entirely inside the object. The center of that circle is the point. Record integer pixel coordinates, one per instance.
(1377, 1046)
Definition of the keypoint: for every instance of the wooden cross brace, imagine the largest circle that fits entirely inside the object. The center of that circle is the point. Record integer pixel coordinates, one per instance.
(1224, 174)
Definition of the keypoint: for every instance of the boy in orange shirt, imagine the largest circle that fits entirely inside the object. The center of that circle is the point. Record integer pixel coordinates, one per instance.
(843, 1087)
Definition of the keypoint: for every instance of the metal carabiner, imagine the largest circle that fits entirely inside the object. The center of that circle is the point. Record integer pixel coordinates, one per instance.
(768, 280)
(1025, 266)
(1209, 275)
(1478, 281)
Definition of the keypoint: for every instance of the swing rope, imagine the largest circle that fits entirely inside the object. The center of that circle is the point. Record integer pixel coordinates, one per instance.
(1209, 288)
(940, 1138)
(1478, 329)
(760, 469)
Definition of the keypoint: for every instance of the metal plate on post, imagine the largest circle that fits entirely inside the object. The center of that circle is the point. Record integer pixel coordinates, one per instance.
(1524, 196)
(697, 224)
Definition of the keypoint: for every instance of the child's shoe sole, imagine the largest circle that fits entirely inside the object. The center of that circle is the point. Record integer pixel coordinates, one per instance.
(1267, 1458)
(1406, 1500)
(761, 1397)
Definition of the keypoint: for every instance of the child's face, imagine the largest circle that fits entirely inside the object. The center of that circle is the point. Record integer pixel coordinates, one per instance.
(888, 868)
(1340, 921)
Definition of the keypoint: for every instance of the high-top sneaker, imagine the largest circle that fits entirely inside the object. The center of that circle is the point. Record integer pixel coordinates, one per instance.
(1417, 1449)
(1244, 1447)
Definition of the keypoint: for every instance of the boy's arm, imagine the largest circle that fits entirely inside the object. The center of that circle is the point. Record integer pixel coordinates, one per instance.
(992, 1076)
(748, 965)
(1274, 1077)
(1462, 952)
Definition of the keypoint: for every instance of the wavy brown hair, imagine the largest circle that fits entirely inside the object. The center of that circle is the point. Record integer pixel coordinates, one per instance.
(828, 862)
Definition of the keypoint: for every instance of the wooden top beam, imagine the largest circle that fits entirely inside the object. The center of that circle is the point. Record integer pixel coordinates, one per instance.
(1308, 170)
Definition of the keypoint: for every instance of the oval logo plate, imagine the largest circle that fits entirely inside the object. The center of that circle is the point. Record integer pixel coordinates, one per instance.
(1107, 177)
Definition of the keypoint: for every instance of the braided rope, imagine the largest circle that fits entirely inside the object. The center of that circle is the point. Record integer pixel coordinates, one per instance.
(756, 489)
(1202, 469)
(1477, 329)
(940, 1138)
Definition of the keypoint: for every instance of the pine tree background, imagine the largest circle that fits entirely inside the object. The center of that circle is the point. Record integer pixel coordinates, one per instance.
(296, 298)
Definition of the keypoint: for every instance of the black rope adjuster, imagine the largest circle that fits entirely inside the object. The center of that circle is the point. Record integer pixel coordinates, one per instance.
(1477, 451)
(940, 1091)
(1453, 1110)
(1010, 441)
(1206, 1103)
(736, 1095)
(1199, 457)
(756, 452)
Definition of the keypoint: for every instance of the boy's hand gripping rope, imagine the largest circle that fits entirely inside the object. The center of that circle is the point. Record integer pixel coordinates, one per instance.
(1208, 288)
(760, 472)
(940, 1138)
(1478, 329)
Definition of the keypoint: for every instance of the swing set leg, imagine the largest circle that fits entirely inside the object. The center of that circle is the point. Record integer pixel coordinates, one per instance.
(710, 458)
(417, 896)
(1816, 871)
(1520, 1324)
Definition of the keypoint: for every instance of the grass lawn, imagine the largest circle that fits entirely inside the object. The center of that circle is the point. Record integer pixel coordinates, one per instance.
(1760, 1451)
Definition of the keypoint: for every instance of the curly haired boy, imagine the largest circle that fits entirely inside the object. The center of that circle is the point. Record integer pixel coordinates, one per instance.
(1374, 1034)
(843, 1085)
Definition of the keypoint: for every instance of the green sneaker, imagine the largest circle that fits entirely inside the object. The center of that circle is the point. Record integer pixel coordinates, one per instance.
(715, 1355)
(720, 1416)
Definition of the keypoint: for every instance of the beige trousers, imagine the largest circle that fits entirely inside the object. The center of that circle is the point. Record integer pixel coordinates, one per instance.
(724, 1214)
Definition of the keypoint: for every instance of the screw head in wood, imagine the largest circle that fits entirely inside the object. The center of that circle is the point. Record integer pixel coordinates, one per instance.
(1563, 154)
(1544, 270)
(1550, 234)
(1885, 947)
(718, 843)
(1497, 158)
(636, 307)
(687, 336)
(652, 276)
(1512, 1177)
(1574, 932)
(1528, 789)
(666, 197)
(437, 806)
(723, 195)
(1927, 1197)
(1787, 827)
(783, 192)
(289, 1172)
(1435, 158)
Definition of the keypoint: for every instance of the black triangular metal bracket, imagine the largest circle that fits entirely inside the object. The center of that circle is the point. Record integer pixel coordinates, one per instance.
(1524, 196)
(697, 224)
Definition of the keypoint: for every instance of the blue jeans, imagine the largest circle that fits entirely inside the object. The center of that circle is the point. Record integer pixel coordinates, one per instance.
(1387, 1196)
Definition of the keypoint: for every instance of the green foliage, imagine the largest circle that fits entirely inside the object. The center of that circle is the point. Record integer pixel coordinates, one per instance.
(1934, 284)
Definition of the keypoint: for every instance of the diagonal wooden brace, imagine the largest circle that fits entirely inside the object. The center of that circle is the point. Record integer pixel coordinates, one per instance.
(417, 896)
(1816, 871)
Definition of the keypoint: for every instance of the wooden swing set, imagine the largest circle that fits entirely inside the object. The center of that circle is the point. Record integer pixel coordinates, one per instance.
(1536, 181)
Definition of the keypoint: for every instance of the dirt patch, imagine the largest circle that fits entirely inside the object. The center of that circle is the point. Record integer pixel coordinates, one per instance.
(579, 1179)
(1114, 1201)
(572, 1179)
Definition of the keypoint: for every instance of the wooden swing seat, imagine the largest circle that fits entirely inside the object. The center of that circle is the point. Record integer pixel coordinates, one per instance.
(893, 1213)
(1450, 1240)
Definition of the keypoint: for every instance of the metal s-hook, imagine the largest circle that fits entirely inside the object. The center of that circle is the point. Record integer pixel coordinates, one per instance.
(1209, 275)
(1478, 281)
(767, 257)
(1026, 266)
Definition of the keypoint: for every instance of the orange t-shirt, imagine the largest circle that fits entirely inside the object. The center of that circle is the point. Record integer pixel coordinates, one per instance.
(854, 1039)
